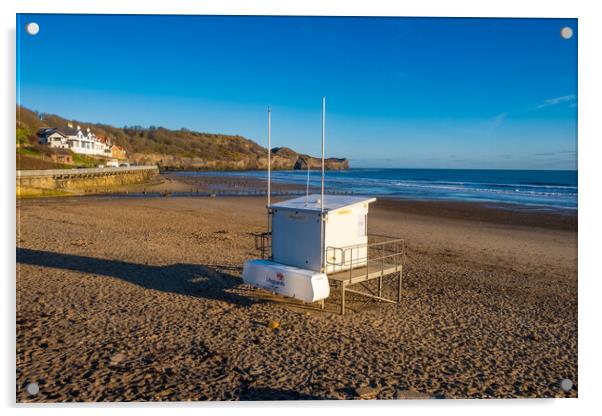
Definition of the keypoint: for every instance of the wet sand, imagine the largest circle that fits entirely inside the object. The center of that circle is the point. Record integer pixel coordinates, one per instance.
(141, 299)
(177, 183)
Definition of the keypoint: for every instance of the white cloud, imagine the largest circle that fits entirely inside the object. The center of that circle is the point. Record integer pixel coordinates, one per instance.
(556, 100)
(498, 120)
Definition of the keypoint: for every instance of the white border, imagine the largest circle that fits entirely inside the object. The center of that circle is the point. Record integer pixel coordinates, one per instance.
(462, 8)
(590, 70)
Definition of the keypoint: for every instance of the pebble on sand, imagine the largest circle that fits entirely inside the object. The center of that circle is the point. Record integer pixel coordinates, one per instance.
(411, 395)
(366, 393)
(118, 359)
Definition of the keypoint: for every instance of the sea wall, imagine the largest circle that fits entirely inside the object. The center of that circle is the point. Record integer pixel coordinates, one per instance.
(77, 181)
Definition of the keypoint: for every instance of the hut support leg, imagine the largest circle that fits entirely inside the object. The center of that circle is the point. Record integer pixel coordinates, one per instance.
(342, 298)
(399, 283)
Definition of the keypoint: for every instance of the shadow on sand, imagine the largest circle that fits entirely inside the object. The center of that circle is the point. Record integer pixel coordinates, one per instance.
(211, 282)
(267, 393)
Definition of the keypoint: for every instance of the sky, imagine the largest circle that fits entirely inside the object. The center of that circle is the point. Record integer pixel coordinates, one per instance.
(400, 92)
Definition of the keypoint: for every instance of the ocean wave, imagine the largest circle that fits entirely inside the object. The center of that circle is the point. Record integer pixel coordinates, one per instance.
(556, 189)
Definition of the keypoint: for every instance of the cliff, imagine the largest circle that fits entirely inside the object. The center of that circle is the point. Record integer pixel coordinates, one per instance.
(289, 160)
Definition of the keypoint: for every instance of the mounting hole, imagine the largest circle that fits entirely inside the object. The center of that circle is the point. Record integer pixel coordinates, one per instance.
(566, 385)
(566, 32)
(32, 389)
(32, 28)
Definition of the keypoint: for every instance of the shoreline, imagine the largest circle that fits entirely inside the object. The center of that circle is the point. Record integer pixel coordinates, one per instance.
(213, 185)
(499, 192)
(254, 186)
(225, 187)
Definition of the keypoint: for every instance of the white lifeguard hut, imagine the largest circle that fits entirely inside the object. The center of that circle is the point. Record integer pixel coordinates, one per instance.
(318, 239)
(303, 228)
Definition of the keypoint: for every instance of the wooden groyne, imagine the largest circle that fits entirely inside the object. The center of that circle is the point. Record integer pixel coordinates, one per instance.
(76, 181)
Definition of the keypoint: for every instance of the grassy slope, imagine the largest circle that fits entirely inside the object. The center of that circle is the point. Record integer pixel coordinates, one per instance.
(170, 148)
(158, 140)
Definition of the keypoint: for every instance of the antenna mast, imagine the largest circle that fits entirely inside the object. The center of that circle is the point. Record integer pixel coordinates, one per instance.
(307, 184)
(269, 158)
(323, 138)
(322, 254)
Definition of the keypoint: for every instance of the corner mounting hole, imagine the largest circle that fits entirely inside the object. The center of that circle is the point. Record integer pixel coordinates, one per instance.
(32, 28)
(32, 389)
(566, 32)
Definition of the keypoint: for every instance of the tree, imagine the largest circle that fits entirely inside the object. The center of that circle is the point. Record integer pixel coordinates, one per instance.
(22, 136)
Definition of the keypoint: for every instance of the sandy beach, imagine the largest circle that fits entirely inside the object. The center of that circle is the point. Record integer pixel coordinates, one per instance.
(141, 299)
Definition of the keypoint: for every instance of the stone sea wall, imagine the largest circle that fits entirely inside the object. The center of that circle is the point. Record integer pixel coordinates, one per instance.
(31, 183)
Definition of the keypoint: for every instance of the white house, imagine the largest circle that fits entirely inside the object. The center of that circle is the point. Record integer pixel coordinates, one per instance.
(76, 140)
(53, 137)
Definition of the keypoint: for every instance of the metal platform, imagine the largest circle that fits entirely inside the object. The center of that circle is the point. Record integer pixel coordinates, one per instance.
(381, 261)
(343, 286)
(363, 274)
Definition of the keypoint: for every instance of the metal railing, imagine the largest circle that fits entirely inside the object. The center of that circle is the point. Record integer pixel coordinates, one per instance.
(380, 252)
(263, 243)
(84, 171)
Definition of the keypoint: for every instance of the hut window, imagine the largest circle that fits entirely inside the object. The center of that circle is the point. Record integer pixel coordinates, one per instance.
(361, 225)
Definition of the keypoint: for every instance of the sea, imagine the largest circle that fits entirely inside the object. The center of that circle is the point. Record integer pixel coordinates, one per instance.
(539, 189)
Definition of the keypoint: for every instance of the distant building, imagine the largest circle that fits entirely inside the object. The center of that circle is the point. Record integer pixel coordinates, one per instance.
(53, 137)
(118, 152)
(62, 156)
(104, 140)
(76, 140)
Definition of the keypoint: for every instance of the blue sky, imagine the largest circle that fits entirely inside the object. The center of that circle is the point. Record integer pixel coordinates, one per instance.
(401, 92)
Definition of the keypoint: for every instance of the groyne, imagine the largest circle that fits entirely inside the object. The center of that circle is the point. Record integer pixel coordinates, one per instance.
(31, 183)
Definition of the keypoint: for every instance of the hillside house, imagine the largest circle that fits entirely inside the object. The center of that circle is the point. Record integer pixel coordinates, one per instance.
(118, 152)
(75, 139)
(53, 137)
(62, 156)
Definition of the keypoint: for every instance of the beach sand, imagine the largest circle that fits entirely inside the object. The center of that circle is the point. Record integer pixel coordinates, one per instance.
(183, 183)
(140, 299)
